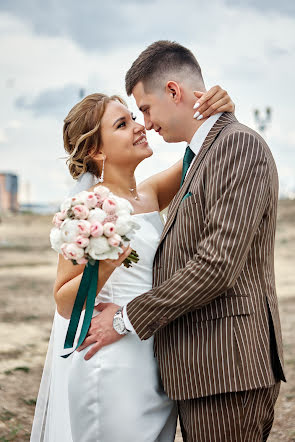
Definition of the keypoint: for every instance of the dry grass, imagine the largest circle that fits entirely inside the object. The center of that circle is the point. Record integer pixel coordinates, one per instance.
(27, 272)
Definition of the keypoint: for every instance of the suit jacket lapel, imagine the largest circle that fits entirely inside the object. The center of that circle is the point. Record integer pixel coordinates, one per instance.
(223, 121)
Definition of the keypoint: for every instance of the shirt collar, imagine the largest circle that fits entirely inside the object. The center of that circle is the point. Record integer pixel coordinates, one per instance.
(202, 132)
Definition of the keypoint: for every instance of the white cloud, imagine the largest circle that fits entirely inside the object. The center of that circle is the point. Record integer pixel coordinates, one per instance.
(249, 52)
(14, 124)
(3, 136)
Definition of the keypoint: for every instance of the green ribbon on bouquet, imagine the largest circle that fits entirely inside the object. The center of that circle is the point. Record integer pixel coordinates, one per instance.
(87, 289)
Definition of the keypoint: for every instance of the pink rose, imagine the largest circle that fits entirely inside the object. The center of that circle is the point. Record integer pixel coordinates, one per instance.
(57, 221)
(96, 229)
(80, 211)
(91, 200)
(72, 251)
(63, 214)
(109, 229)
(81, 241)
(101, 194)
(115, 240)
(84, 227)
(109, 206)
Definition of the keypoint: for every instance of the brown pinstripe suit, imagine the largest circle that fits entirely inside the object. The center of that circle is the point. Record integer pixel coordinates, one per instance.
(213, 307)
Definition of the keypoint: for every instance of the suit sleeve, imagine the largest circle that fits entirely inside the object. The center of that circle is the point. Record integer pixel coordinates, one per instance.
(237, 195)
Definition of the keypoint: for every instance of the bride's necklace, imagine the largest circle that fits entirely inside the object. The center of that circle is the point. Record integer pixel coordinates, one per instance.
(136, 197)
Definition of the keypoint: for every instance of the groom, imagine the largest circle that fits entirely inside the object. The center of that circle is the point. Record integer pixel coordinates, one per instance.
(213, 308)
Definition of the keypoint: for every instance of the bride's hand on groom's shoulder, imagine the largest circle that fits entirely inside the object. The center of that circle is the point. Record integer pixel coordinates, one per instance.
(101, 331)
(211, 102)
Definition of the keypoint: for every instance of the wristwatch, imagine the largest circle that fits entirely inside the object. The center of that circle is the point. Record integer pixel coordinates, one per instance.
(119, 324)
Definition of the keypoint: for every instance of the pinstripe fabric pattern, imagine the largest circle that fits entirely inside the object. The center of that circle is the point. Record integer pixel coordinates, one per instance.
(230, 417)
(214, 272)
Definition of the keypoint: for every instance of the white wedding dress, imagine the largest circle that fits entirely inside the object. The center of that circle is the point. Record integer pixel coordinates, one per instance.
(116, 395)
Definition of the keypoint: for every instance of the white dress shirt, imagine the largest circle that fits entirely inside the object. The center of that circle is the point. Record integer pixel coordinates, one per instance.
(195, 145)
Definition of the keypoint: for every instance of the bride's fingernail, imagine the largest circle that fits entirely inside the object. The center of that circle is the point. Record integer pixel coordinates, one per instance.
(200, 117)
(196, 105)
(196, 114)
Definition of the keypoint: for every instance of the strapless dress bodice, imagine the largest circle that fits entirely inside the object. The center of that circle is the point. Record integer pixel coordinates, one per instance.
(126, 283)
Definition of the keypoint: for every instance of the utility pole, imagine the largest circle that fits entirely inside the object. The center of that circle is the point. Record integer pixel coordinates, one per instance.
(262, 121)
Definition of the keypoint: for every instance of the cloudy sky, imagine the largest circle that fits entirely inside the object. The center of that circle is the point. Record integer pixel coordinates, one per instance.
(51, 50)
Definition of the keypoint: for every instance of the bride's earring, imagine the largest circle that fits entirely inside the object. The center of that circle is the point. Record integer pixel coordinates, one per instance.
(101, 178)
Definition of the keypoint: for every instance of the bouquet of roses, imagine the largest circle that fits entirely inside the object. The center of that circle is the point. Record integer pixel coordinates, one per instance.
(90, 227)
(93, 226)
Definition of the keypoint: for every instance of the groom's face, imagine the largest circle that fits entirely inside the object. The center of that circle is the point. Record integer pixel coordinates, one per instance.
(158, 111)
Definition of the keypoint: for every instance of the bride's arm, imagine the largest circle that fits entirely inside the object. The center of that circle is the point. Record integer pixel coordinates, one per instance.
(167, 183)
(69, 276)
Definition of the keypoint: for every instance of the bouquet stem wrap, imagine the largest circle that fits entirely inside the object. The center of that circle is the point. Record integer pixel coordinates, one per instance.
(87, 289)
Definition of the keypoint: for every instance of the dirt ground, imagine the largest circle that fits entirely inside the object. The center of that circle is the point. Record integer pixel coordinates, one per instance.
(27, 272)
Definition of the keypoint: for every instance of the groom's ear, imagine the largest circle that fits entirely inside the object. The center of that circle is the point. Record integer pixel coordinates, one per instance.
(174, 91)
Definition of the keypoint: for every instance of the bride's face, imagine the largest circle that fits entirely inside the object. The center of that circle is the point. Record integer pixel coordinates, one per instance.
(123, 140)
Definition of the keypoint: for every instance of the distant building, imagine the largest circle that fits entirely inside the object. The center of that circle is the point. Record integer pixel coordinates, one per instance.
(8, 191)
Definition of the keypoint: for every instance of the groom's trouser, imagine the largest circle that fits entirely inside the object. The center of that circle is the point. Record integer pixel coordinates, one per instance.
(245, 416)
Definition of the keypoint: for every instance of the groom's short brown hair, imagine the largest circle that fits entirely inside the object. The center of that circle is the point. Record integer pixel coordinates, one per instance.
(160, 57)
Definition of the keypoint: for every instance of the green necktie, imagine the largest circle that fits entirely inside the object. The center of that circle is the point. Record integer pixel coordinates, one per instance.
(187, 159)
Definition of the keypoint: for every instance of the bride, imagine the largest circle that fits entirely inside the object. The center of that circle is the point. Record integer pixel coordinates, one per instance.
(116, 395)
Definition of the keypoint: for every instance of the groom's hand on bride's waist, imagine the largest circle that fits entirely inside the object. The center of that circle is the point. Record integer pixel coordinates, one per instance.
(101, 331)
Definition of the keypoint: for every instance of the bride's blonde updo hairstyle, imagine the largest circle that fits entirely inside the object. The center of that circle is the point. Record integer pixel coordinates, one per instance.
(82, 133)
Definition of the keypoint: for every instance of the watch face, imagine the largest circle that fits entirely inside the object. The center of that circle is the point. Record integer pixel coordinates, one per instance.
(119, 325)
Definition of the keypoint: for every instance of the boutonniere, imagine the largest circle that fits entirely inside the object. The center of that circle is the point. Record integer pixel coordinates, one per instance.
(187, 195)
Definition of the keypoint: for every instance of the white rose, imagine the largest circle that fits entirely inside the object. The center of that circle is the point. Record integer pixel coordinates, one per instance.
(97, 247)
(70, 230)
(96, 215)
(126, 225)
(113, 253)
(80, 198)
(123, 205)
(56, 239)
(123, 224)
(66, 204)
